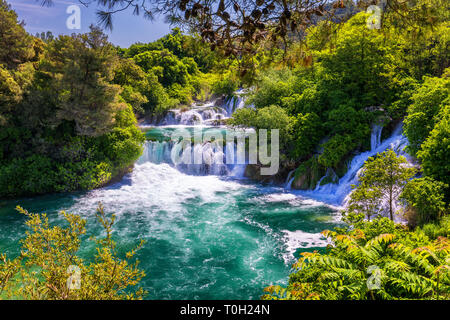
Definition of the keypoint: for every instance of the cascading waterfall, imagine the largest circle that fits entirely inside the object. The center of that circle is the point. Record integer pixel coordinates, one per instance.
(375, 137)
(211, 113)
(212, 155)
(336, 193)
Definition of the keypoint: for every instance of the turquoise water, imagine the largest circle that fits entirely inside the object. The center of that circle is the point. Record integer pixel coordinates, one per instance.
(207, 237)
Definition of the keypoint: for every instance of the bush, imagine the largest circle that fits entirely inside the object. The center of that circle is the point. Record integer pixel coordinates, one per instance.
(226, 85)
(437, 229)
(425, 197)
(49, 266)
(434, 153)
(273, 117)
(31, 175)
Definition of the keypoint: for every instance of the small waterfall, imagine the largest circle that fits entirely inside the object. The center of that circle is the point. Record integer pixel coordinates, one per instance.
(337, 193)
(156, 152)
(375, 137)
(234, 103)
(289, 180)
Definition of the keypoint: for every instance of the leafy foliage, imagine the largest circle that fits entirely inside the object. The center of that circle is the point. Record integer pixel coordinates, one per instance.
(64, 124)
(382, 177)
(425, 110)
(434, 153)
(269, 118)
(49, 265)
(366, 263)
(425, 197)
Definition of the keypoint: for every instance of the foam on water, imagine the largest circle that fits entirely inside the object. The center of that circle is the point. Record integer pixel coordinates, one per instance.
(157, 186)
(301, 240)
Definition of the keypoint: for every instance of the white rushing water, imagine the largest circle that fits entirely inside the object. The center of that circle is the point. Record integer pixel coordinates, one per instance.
(210, 113)
(213, 156)
(336, 193)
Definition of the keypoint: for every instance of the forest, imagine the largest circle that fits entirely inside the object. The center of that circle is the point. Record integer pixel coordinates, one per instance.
(71, 106)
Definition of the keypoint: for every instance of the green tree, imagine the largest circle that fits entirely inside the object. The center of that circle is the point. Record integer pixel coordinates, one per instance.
(423, 113)
(425, 197)
(81, 68)
(165, 64)
(435, 151)
(386, 174)
(307, 132)
(10, 94)
(134, 84)
(273, 117)
(49, 265)
(365, 200)
(16, 45)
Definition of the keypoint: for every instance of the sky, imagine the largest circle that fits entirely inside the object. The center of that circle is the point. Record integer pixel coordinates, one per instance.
(127, 28)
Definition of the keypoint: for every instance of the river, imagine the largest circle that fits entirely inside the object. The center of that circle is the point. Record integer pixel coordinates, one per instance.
(209, 235)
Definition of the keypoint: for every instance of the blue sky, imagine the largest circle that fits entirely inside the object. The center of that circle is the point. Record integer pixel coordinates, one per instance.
(127, 28)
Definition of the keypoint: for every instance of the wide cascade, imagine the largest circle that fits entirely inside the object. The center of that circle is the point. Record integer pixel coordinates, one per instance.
(214, 157)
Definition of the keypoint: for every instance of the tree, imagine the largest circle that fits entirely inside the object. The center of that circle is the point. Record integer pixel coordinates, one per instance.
(365, 200)
(81, 69)
(386, 174)
(49, 267)
(423, 113)
(434, 153)
(240, 26)
(16, 46)
(134, 83)
(273, 117)
(426, 198)
(10, 94)
(307, 132)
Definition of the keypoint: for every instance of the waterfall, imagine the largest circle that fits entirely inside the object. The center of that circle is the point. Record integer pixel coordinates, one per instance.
(375, 137)
(337, 193)
(156, 152)
(289, 180)
(212, 158)
(210, 113)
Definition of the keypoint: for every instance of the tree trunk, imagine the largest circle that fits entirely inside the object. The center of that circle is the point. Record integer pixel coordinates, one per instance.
(390, 206)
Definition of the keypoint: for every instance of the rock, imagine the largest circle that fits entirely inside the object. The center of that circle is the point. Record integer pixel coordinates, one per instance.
(253, 171)
(308, 174)
(330, 177)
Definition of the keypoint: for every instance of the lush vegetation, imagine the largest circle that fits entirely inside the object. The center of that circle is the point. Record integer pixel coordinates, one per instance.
(64, 124)
(344, 78)
(353, 78)
(68, 121)
(378, 258)
(372, 260)
(173, 71)
(50, 268)
(68, 104)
